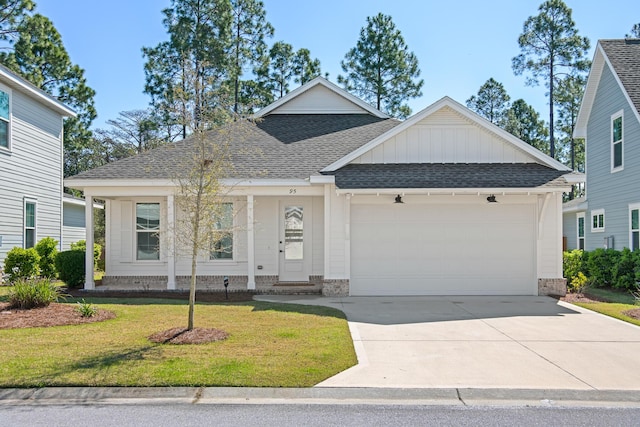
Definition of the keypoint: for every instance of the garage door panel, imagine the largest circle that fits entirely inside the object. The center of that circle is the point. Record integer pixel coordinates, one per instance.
(443, 250)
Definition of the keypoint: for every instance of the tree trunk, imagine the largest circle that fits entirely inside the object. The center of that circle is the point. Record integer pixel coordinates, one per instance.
(552, 147)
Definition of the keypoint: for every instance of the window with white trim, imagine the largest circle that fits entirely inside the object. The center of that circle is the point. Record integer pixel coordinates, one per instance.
(5, 118)
(147, 231)
(634, 226)
(29, 223)
(597, 220)
(580, 228)
(222, 245)
(617, 154)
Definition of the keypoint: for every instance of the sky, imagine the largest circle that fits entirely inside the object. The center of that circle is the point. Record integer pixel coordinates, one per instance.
(459, 45)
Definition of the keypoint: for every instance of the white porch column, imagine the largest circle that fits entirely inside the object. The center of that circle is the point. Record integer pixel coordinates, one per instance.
(327, 231)
(88, 220)
(171, 243)
(347, 237)
(251, 255)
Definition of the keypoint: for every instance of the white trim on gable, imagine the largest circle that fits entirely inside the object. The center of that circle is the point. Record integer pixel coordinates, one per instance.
(365, 107)
(465, 112)
(595, 74)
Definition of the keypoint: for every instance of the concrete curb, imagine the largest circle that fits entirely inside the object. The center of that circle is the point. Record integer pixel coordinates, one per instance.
(343, 396)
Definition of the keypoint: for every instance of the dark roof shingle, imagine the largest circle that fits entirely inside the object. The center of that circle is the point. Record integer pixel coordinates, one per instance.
(624, 55)
(448, 175)
(280, 146)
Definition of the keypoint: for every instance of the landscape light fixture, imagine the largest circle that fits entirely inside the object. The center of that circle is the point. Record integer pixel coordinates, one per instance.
(492, 199)
(398, 199)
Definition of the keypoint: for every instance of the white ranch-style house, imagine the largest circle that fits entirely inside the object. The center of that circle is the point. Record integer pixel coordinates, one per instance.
(349, 201)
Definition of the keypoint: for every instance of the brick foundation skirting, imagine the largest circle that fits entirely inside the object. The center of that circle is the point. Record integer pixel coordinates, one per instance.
(554, 287)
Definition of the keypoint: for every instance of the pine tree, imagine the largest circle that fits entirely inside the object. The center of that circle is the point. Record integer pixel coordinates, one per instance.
(381, 69)
(491, 102)
(523, 122)
(551, 48)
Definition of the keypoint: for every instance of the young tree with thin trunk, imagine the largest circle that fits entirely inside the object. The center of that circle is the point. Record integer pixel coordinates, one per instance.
(380, 68)
(551, 49)
(491, 102)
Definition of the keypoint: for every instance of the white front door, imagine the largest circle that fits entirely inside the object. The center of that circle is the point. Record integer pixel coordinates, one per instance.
(294, 245)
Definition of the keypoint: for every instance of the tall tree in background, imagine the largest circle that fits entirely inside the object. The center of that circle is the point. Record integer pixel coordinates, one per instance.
(569, 98)
(551, 49)
(12, 14)
(199, 42)
(491, 102)
(524, 122)
(132, 132)
(39, 56)
(381, 69)
(304, 68)
(635, 32)
(276, 71)
(250, 28)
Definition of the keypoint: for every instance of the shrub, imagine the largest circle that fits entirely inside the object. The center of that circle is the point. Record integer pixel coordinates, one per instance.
(81, 245)
(625, 271)
(86, 309)
(21, 263)
(33, 293)
(71, 267)
(600, 263)
(579, 283)
(47, 250)
(573, 262)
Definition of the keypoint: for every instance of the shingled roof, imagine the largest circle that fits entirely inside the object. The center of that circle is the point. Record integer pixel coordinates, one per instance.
(448, 175)
(280, 146)
(624, 56)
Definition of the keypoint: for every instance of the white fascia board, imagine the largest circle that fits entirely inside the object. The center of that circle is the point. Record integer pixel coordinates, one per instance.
(583, 207)
(327, 84)
(266, 182)
(80, 202)
(322, 179)
(454, 191)
(593, 81)
(169, 185)
(575, 178)
(40, 95)
(464, 111)
(80, 184)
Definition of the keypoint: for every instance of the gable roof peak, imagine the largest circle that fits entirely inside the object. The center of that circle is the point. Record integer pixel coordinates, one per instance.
(336, 90)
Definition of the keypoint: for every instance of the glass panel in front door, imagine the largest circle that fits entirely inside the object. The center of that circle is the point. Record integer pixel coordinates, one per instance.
(293, 232)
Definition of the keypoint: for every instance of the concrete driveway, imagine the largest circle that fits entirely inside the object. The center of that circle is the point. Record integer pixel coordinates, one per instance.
(483, 342)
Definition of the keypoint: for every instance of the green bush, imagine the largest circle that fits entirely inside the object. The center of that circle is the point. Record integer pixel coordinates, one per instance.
(81, 245)
(573, 262)
(626, 271)
(86, 309)
(21, 263)
(579, 283)
(29, 294)
(71, 267)
(600, 264)
(47, 249)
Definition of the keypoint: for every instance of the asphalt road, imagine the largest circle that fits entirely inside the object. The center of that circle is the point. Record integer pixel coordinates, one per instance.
(184, 415)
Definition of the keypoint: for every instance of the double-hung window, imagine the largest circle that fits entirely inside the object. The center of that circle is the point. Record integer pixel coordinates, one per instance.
(634, 226)
(580, 225)
(222, 244)
(617, 138)
(29, 223)
(5, 118)
(147, 231)
(597, 220)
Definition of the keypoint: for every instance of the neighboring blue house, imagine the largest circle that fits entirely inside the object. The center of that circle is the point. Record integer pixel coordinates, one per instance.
(609, 120)
(31, 202)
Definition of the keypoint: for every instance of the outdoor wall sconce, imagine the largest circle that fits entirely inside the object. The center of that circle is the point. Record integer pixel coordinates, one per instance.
(398, 199)
(492, 199)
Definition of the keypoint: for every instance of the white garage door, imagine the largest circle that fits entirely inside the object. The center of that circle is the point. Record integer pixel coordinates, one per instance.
(443, 249)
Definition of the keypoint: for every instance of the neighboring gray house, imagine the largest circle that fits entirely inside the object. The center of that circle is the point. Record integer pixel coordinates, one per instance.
(31, 147)
(609, 120)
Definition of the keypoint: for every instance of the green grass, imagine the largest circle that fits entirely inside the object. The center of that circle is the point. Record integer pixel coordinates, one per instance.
(270, 345)
(610, 295)
(612, 309)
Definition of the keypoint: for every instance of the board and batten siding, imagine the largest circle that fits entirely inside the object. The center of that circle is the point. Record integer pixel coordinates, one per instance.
(612, 192)
(445, 137)
(31, 169)
(319, 100)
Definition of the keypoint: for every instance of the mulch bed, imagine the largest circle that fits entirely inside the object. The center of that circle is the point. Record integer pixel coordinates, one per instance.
(55, 314)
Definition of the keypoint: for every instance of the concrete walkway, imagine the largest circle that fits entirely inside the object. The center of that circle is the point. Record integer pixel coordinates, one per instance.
(483, 342)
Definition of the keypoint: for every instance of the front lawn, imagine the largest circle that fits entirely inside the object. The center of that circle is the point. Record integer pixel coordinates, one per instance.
(270, 345)
(612, 303)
